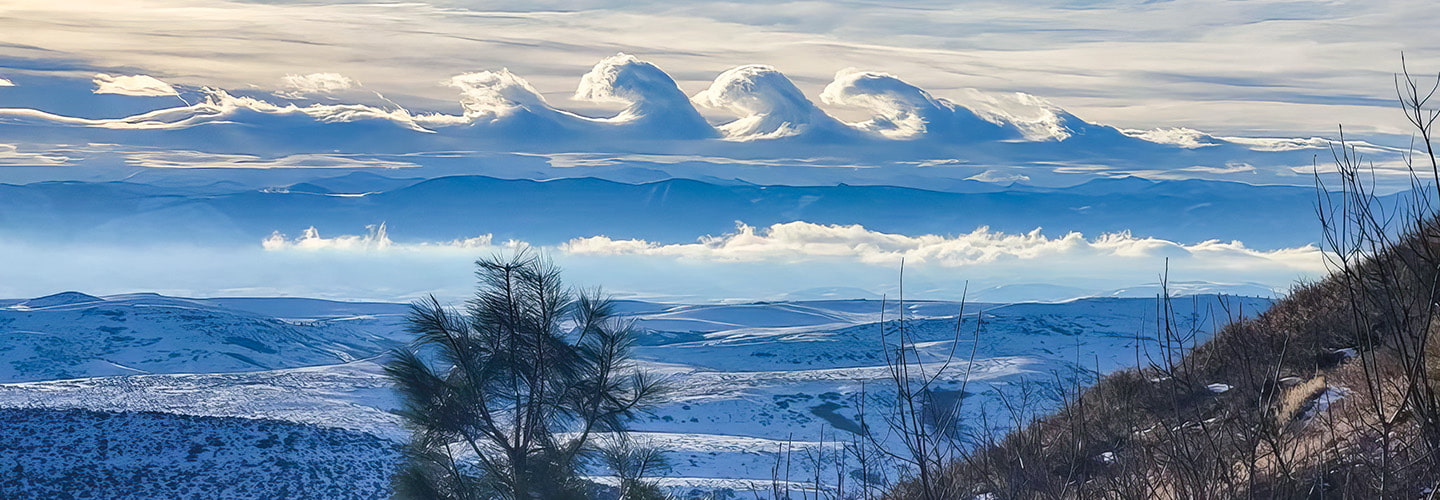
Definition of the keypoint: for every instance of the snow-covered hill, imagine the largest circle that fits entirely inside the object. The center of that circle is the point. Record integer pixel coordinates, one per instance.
(749, 378)
(147, 455)
(72, 335)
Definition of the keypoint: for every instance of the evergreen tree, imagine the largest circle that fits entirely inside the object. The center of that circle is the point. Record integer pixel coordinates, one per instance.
(506, 400)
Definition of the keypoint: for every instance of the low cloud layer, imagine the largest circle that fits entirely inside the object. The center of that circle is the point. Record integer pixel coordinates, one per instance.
(803, 240)
(376, 239)
(784, 260)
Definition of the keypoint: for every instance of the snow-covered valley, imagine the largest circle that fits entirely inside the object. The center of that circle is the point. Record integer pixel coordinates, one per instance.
(748, 379)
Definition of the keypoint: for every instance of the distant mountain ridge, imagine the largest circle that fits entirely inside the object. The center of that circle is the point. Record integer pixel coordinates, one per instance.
(673, 210)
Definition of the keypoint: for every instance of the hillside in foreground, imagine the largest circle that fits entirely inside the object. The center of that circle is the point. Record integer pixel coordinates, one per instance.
(1331, 393)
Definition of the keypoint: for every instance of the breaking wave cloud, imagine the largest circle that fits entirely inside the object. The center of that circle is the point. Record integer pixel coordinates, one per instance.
(749, 103)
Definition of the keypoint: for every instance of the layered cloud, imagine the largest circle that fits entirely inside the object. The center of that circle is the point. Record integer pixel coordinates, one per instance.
(132, 85)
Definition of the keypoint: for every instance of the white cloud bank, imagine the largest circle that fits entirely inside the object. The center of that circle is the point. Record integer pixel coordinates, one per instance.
(749, 264)
(803, 240)
(783, 258)
(132, 85)
(377, 238)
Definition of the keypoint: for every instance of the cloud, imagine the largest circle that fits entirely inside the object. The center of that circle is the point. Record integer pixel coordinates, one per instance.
(132, 85)
(1187, 138)
(493, 95)
(1036, 118)
(503, 113)
(803, 240)
(376, 239)
(315, 83)
(219, 106)
(12, 156)
(6, 83)
(769, 104)
(749, 263)
(1111, 62)
(654, 101)
(998, 177)
(903, 111)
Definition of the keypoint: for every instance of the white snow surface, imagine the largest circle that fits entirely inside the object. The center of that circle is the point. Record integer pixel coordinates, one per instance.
(749, 379)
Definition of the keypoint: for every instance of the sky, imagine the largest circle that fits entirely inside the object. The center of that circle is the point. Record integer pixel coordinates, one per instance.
(1293, 68)
(920, 94)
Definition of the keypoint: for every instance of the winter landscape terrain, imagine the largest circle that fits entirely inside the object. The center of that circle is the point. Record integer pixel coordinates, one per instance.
(206, 394)
(214, 215)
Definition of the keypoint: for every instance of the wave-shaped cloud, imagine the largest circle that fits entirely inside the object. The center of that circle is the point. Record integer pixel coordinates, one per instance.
(904, 111)
(6, 83)
(654, 100)
(501, 112)
(132, 85)
(769, 104)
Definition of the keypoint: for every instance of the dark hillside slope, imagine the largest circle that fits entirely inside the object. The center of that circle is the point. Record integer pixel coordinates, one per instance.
(1332, 393)
(85, 454)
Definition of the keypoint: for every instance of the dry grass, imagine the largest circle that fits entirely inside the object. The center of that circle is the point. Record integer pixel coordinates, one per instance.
(1170, 437)
(1298, 399)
